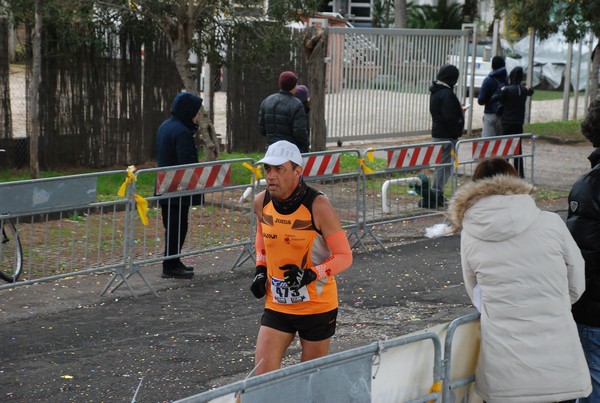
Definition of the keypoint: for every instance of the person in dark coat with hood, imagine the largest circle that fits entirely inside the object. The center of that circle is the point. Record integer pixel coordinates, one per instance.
(175, 145)
(448, 122)
(513, 97)
(583, 220)
(492, 83)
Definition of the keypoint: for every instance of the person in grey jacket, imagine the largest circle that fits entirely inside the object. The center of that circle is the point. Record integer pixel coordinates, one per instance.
(492, 83)
(523, 270)
(583, 221)
(282, 115)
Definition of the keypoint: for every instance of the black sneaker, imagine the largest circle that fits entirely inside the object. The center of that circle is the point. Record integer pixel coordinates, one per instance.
(177, 272)
(182, 266)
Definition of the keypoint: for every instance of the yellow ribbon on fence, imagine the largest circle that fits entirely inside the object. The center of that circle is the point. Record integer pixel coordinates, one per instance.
(435, 388)
(365, 168)
(140, 202)
(455, 157)
(130, 178)
(255, 170)
(370, 156)
(142, 208)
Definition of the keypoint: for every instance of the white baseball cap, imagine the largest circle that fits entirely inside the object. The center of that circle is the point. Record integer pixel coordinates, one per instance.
(281, 152)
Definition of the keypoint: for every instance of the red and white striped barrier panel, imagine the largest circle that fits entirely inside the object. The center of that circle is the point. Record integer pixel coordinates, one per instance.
(496, 147)
(318, 165)
(415, 156)
(180, 180)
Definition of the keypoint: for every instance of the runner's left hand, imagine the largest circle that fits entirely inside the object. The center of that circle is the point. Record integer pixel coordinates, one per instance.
(296, 277)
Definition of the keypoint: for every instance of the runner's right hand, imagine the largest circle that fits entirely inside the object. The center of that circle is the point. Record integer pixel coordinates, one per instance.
(259, 284)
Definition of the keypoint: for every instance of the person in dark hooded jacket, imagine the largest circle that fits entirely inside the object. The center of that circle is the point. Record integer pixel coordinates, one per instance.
(492, 83)
(448, 122)
(513, 97)
(583, 220)
(175, 145)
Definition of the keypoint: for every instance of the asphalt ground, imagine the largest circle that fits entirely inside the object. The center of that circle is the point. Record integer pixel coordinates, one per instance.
(64, 342)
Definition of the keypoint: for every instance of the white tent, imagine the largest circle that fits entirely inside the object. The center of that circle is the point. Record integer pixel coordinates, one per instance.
(550, 59)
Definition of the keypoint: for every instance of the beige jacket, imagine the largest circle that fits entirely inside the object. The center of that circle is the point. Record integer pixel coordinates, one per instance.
(529, 271)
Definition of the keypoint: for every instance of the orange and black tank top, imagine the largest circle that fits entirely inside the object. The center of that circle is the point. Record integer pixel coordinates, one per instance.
(293, 239)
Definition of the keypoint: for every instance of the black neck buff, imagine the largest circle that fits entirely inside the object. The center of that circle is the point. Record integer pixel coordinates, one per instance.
(290, 204)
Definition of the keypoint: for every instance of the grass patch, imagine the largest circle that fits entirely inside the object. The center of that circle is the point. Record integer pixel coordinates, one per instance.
(549, 195)
(548, 95)
(561, 132)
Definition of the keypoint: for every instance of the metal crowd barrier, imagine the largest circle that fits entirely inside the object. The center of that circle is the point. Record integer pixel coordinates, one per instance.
(471, 151)
(457, 378)
(63, 228)
(363, 374)
(404, 369)
(391, 194)
(216, 220)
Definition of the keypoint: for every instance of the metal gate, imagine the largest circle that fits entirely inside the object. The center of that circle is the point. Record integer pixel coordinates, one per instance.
(378, 80)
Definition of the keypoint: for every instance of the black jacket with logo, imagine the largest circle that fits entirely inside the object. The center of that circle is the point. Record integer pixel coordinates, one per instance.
(583, 221)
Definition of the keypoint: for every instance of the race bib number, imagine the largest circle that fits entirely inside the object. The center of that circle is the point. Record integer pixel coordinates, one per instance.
(284, 295)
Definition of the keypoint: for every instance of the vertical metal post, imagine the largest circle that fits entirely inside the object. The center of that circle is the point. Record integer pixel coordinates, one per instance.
(577, 75)
(589, 72)
(471, 84)
(567, 82)
(530, 73)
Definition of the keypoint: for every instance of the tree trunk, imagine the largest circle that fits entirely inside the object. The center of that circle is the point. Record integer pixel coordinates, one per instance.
(593, 79)
(315, 50)
(400, 14)
(34, 98)
(5, 109)
(208, 136)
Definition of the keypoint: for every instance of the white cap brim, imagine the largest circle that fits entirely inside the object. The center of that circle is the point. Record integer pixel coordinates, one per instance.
(275, 161)
(281, 152)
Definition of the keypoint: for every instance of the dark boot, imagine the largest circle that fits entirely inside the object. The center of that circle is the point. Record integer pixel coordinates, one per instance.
(177, 272)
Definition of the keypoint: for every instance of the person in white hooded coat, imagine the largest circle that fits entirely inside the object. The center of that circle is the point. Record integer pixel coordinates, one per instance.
(523, 270)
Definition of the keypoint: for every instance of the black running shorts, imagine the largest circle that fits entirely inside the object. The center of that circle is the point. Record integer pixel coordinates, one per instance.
(316, 327)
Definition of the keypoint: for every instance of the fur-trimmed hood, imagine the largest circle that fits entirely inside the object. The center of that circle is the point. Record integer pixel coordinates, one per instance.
(493, 209)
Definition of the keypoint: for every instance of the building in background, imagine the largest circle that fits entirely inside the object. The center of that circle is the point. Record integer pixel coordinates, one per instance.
(360, 12)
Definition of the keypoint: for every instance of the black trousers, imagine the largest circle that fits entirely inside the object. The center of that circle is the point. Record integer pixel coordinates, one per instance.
(175, 221)
(508, 129)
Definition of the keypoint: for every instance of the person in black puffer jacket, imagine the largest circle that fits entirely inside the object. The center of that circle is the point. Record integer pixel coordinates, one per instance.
(282, 115)
(513, 97)
(583, 221)
(448, 121)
